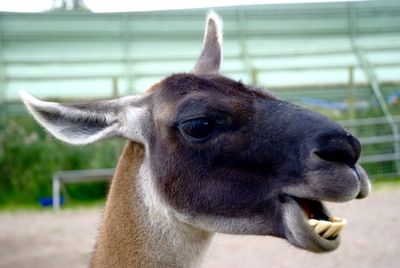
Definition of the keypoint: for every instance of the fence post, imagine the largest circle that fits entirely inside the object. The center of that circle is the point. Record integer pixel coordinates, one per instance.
(115, 91)
(56, 193)
(351, 99)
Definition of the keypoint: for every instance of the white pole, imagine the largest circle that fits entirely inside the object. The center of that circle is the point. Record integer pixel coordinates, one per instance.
(56, 193)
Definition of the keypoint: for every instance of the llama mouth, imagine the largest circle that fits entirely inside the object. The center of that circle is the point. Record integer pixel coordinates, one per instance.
(328, 227)
(309, 225)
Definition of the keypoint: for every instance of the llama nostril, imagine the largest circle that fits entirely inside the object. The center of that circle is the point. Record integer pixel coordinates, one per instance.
(340, 149)
(337, 155)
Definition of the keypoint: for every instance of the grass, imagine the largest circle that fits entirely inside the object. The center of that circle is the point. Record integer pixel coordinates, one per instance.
(386, 184)
(70, 205)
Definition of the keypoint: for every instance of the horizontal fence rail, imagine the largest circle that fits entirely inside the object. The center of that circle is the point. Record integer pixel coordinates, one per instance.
(71, 176)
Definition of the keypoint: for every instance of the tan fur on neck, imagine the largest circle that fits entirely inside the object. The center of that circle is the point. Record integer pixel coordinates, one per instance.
(129, 235)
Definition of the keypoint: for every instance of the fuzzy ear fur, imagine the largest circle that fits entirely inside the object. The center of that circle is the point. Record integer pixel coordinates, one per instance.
(87, 123)
(210, 59)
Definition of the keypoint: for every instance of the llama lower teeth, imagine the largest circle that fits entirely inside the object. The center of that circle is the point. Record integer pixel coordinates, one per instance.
(322, 226)
(313, 222)
(331, 230)
(328, 229)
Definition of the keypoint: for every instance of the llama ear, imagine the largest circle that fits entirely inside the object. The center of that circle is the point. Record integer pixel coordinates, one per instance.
(87, 123)
(210, 59)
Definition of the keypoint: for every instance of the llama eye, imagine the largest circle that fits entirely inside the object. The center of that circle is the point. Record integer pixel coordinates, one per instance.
(198, 128)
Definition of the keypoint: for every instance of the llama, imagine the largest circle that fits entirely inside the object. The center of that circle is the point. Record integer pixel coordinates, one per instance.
(207, 154)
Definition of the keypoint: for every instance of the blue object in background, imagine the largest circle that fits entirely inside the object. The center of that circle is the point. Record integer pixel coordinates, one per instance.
(327, 104)
(394, 98)
(48, 201)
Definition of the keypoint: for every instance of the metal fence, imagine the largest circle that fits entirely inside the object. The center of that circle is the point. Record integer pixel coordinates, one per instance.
(380, 154)
(340, 59)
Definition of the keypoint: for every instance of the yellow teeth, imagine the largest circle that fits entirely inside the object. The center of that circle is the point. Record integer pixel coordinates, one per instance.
(313, 222)
(328, 229)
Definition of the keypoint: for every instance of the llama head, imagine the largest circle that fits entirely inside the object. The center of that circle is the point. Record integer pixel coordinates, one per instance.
(224, 156)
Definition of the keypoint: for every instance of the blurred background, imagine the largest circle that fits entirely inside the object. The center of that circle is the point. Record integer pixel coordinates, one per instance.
(340, 58)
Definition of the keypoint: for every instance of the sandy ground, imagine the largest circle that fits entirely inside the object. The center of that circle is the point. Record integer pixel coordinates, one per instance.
(372, 239)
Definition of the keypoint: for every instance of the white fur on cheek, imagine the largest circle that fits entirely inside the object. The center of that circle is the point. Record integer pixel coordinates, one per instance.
(163, 220)
(157, 209)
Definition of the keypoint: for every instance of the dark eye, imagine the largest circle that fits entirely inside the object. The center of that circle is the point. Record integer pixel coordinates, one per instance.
(198, 128)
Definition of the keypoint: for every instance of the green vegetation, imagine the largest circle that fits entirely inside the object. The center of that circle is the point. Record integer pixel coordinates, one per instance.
(30, 156)
(386, 184)
(72, 204)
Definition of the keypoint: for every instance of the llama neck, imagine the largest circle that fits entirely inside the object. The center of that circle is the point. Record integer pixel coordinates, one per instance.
(136, 233)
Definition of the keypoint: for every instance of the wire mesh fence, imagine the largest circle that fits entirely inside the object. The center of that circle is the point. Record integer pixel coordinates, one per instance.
(364, 118)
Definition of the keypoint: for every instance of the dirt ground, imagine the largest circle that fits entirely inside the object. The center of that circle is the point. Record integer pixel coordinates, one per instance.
(371, 239)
